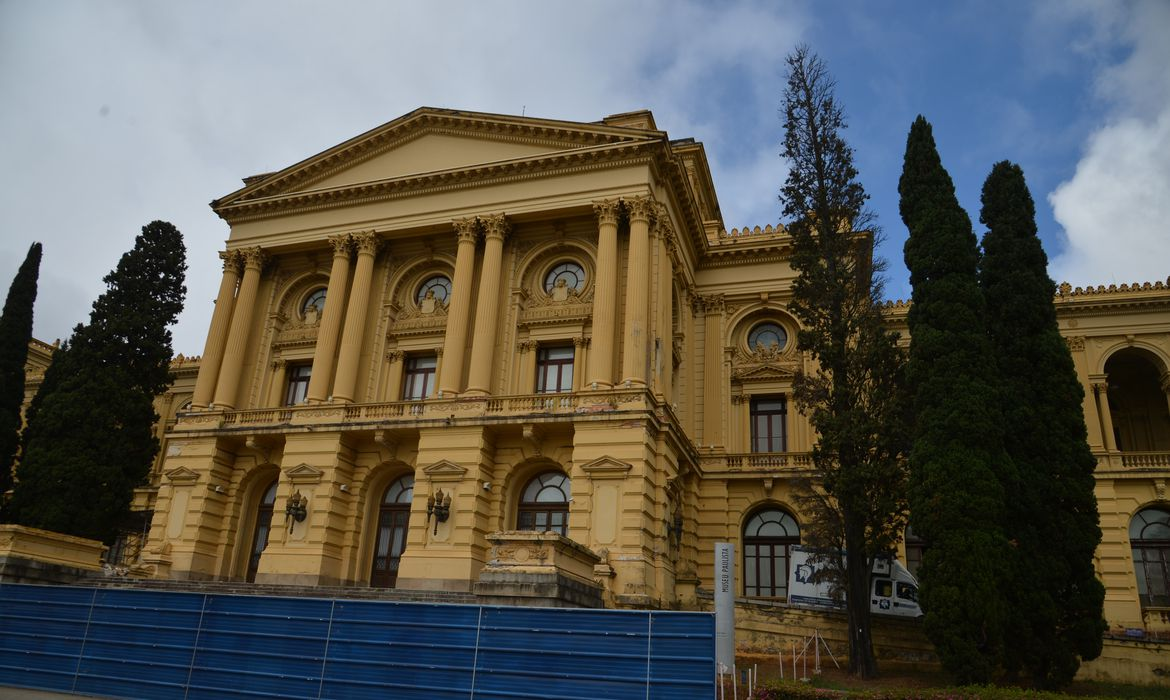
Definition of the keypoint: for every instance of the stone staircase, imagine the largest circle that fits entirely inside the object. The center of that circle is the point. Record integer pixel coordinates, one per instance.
(242, 588)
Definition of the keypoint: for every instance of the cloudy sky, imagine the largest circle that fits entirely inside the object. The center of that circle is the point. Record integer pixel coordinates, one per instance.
(119, 112)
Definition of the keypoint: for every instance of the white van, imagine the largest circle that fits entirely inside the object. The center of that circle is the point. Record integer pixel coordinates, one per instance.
(893, 590)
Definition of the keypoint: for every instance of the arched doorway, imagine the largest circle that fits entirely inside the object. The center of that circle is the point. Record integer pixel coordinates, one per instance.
(544, 504)
(1149, 535)
(260, 533)
(393, 520)
(767, 537)
(1137, 402)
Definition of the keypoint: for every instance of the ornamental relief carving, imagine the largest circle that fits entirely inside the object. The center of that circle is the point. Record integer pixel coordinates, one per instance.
(1076, 343)
(763, 363)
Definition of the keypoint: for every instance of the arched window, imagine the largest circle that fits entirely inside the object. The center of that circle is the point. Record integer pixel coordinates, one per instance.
(568, 273)
(544, 504)
(393, 519)
(1149, 535)
(766, 539)
(260, 534)
(438, 286)
(768, 334)
(316, 300)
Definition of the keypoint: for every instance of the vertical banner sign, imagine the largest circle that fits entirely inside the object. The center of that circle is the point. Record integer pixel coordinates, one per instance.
(725, 603)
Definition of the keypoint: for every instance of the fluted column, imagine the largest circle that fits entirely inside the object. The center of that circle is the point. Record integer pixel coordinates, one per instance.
(604, 295)
(279, 377)
(321, 378)
(1101, 389)
(221, 318)
(712, 306)
(483, 343)
(344, 387)
(455, 340)
(228, 383)
(634, 355)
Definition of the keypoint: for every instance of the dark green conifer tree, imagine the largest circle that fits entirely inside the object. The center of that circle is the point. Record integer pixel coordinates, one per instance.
(89, 438)
(854, 396)
(958, 468)
(1056, 604)
(16, 326)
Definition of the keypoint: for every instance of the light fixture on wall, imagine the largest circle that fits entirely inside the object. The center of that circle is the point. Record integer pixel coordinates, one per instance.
(295, 508)
(439, 506)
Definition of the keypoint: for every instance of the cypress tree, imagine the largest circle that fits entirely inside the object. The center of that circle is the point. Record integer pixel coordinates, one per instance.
(89, 440)
(959, 470)
(16, 325)
(1056, 604)
(853, 396)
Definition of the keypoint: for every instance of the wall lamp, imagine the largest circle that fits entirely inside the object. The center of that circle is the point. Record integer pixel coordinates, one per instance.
(295, 508)
(439, 506)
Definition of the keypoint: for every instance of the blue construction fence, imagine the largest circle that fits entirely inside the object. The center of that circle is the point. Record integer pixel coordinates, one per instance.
(139, 643)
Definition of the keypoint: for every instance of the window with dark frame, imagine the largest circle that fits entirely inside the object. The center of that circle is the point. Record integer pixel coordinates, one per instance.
(554, 369)
(1149, 535)
(769, 424)
(767, 539)
(418, 377)
(298, 384)
(390, 542)
(260, 531)
(544, 504)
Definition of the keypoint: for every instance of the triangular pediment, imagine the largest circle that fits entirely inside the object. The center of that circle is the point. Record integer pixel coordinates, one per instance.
(304, 474)
(444, 470)
(762, 372)
(181, 475)
(430, 141)
(606, 468)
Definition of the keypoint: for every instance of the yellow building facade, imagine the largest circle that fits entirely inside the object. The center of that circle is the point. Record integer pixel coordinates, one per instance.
(458, 327)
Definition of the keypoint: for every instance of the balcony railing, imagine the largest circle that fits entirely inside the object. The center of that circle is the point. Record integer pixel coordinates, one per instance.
(1145, 460)
(585, 402)
(758, 462)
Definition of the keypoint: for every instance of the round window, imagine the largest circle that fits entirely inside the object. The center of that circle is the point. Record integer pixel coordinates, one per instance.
(316, 300)
(567, 274)
(438, 287)
(766, 335)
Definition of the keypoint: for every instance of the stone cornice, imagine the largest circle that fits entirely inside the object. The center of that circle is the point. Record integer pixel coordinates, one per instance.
(500, 172)
(428, 120)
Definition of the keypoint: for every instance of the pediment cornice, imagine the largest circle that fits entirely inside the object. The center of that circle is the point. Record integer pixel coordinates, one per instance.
(520, 169)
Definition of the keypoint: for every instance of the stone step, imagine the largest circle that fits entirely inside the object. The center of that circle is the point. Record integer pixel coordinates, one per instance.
(282, 590)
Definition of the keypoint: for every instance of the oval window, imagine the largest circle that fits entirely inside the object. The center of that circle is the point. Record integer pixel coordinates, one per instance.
(567, 274)
(438, 286)
(766, 335)
(316, 300)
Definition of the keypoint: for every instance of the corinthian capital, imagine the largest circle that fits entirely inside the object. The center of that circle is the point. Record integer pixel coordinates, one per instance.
(495, 226)
(640, 208)
(708, 303)
(232, 260)
(607, 211)
(366, 242)
(466, 229)
(254, 258)
(341, 245)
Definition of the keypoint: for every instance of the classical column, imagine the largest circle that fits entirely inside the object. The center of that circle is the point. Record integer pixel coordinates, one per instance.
(279, 377)
(1101, 389)
(483, 343)
(394, 375)
(321, 377)
(527, 379)
(221, 317)
(228, 383)
(665, 358)
(712, 306)
(604, 295)
(580, 360)
(344, 386)
(455, 340)
(634, 355)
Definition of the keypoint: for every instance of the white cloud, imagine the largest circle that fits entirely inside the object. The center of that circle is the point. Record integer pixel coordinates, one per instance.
(123, 112)
(1116, 206)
